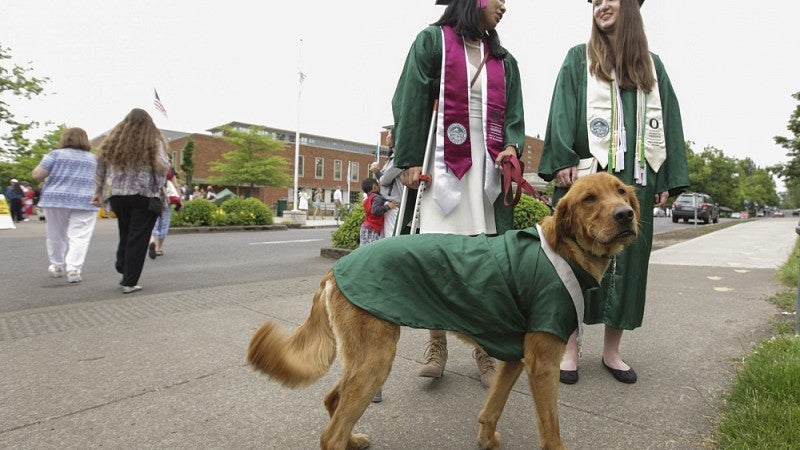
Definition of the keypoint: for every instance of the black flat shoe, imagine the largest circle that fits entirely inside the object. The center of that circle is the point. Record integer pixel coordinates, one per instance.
(623, 376)
(568, 376)
(151, 250)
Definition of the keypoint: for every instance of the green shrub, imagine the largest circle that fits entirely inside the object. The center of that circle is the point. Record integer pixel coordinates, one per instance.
(529, 212)
(249, 211)
(219, 218)
(194, 213)
(346, 236)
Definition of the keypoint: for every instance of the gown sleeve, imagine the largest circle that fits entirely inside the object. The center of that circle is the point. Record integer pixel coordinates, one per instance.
(515, 120)
(674, 173)
(412, 103)
(566, 107)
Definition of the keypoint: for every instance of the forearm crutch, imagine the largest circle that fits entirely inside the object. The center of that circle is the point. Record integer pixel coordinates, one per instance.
(424, 178)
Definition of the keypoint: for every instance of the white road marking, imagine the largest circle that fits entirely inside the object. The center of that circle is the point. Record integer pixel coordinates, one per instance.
(285, 242)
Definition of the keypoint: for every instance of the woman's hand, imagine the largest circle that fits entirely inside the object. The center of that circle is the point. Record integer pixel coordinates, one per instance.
(410, 177)
(95, 201)
(661, 199)
(565, 177)
(509, 151)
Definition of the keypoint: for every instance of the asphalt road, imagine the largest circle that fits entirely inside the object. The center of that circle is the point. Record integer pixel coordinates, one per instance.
(191, 261)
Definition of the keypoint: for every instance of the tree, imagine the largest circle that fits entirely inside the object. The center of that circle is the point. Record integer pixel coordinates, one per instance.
(729, 181)
(257, 160)
(790, 172)
(41, 147)
(713, 173)
(187, 165)
(15, 81)
(26, 161)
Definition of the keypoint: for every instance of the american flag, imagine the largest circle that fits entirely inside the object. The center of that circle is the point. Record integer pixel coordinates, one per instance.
(158, 104)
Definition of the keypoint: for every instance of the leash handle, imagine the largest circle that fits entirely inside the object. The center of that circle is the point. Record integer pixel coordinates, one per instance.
(512, 171)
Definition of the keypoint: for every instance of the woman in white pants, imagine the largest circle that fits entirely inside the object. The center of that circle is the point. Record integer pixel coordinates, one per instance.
(66, 200)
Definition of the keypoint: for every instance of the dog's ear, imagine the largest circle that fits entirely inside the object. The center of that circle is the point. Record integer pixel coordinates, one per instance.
(563, 216)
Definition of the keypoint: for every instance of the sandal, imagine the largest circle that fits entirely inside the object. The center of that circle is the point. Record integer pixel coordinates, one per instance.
(160, 253)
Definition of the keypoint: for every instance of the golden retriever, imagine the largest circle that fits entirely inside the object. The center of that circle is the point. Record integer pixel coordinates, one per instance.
(596, 219)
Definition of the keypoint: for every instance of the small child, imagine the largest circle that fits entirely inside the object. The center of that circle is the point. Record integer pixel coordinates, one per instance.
(375, 206)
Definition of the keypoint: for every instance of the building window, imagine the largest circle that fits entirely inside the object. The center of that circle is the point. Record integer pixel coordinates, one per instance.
(301, 162)
(319, 167)
(354, 171)
(337, 170)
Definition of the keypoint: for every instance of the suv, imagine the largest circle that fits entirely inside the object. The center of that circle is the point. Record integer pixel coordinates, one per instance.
(688, 203)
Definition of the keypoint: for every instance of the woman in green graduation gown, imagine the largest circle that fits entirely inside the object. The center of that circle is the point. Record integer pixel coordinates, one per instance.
(459, 62)
(614, 102)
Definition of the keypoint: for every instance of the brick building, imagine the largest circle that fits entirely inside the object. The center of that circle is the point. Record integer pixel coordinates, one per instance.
(324, 162)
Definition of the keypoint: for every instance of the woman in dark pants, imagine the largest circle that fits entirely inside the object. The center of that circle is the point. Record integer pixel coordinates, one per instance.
(131, 168)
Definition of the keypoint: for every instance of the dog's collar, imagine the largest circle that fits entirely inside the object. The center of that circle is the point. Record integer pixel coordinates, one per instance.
(575, 240)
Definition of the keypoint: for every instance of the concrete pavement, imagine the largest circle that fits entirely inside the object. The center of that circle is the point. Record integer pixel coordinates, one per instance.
(169, 371)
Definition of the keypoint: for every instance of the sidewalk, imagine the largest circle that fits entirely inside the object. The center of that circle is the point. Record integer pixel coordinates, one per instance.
(169, 370)
(326, 222)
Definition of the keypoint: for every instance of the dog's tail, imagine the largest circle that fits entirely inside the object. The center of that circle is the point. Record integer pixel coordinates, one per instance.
(302, 358)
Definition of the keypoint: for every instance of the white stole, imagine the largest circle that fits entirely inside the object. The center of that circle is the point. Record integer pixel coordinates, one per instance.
(605, 123)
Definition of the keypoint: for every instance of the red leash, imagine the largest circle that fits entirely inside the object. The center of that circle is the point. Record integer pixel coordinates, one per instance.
(512, 171)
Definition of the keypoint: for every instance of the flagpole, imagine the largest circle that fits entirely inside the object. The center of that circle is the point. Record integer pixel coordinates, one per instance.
(300, 75)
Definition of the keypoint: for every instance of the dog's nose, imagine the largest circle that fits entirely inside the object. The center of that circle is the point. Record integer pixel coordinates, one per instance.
(623, 214)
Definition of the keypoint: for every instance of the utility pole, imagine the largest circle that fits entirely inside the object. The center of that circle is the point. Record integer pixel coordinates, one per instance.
(301, 77)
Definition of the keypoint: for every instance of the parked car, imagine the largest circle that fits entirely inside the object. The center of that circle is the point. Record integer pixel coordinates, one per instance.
(692, 204)
(744, 215)
(777, 213)
(796, 212)
(736, 215)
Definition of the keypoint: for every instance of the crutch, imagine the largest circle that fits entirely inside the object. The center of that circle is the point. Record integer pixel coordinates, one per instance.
(424, 179)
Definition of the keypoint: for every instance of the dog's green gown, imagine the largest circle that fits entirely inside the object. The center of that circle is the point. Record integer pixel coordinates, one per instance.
(493, 289)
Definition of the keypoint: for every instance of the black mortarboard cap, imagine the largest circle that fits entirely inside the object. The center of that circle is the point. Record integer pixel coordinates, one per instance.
(443, 2)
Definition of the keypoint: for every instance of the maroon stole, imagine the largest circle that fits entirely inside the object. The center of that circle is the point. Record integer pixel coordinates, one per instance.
(457, 145)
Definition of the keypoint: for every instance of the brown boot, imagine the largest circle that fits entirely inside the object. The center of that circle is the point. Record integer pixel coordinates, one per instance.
(435, 359)
(485, 365)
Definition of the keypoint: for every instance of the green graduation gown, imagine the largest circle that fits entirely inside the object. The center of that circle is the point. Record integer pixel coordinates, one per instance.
(620, 300)
(494, 289)
(412, 107)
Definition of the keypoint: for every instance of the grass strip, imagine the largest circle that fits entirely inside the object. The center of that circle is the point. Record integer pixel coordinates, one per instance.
(762, 410)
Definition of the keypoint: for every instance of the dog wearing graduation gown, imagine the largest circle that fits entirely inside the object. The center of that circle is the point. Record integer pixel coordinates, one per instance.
(595, 220)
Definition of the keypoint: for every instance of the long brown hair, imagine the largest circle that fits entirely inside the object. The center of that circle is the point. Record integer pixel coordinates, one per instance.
(629, 57)
(133, 143)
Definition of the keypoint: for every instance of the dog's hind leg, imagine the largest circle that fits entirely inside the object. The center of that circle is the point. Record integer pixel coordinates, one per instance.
(504, 380)
(332, 399)
(367, 349)
(543, 352)
(352, 394)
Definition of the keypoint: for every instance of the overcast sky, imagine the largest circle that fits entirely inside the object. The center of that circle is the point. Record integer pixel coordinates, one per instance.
(734, 65)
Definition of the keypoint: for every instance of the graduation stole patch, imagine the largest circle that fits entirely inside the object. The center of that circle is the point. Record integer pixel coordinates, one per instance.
(454, 103)
(605, 123)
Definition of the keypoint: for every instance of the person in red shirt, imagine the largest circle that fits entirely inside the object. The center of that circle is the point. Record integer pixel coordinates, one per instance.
(375, 206)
